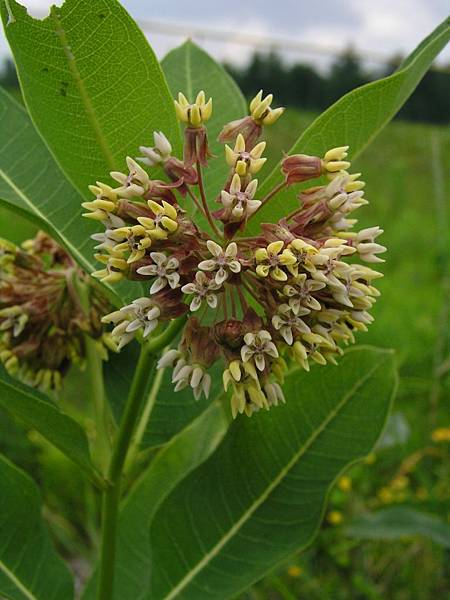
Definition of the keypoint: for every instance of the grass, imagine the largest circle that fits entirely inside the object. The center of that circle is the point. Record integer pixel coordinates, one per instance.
(406, 173)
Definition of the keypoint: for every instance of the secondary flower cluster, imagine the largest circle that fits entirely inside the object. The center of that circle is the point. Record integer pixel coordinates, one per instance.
(254, 303)
(42, 325)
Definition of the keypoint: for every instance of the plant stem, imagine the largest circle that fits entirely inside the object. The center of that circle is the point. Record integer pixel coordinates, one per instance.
(270, 195)
(201, 188)
(97, 396)
(111, 496)
(80, 293)
(196, 202)
(144, 419)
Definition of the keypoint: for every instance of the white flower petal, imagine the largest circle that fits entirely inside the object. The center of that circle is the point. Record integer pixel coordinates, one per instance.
(158, 257)
(207, 265)
(221, 276)
(249, 338)
(234, 266)
(134, 325)
(271, 349)
(211, 299)
(206, 384)
(260, 361)
(150, 326)
(173, 279)
(158, 285)
(183, 374)
(172, 264)
(189, 288)
(286, 333)
(246, 353)
(168, 358)
(214, 248)
(147, 270)
(231, 250)
(153, 313)
(195, 304)
(196, 377)
(124, 340)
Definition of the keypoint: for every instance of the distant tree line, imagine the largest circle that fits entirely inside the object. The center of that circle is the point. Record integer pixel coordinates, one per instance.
(304, 87)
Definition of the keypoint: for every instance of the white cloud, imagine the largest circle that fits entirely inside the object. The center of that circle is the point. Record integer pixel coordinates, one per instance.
(384, 27)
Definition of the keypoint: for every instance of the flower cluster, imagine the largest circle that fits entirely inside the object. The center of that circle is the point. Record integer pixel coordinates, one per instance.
(255, 303)
(42, 324)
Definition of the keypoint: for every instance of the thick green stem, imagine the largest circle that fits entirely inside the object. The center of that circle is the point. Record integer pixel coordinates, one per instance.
(102, 446)
(112, 495)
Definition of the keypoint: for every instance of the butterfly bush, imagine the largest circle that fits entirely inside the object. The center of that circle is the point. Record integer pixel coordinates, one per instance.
(43, 326)
(295, 292)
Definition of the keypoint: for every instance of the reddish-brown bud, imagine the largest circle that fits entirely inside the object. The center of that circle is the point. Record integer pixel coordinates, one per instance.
(196, 146)
(246, 126)
(301, 167)
(199, 344)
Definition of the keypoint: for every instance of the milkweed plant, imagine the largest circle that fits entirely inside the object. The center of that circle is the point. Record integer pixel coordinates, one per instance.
(198, 290)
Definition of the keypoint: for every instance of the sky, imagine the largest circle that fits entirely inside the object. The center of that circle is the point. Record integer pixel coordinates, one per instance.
(381, 28)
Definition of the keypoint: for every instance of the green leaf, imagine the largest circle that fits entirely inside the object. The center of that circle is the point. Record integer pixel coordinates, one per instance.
(30, 569)
(189, 69)
(13, 226)
(171, 412)
(32, 183)
(92, 85)
(33, 187)
(37, 412)
(187, 450)
(397, 522)
(354, 120)
(261, 495)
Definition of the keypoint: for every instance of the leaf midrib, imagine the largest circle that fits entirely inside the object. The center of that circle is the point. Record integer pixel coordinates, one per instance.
(25, 591)
(270, 488)
(85, 98)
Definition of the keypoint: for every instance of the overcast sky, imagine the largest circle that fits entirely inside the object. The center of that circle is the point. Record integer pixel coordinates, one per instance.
(384, 27)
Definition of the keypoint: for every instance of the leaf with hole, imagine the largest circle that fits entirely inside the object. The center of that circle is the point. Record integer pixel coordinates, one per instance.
(91, 83)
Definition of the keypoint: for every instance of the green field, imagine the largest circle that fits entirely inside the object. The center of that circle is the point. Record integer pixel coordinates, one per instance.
(406, 172)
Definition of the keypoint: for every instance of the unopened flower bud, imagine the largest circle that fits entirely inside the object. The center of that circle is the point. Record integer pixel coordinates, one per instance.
(301, 167)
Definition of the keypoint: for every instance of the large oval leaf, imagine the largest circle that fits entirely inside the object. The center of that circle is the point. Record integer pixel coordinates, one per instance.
(92, 84)
(37, 412)
(30, 569)
(354, 120)
(261, 495)
(189, 69)
(185, 451)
